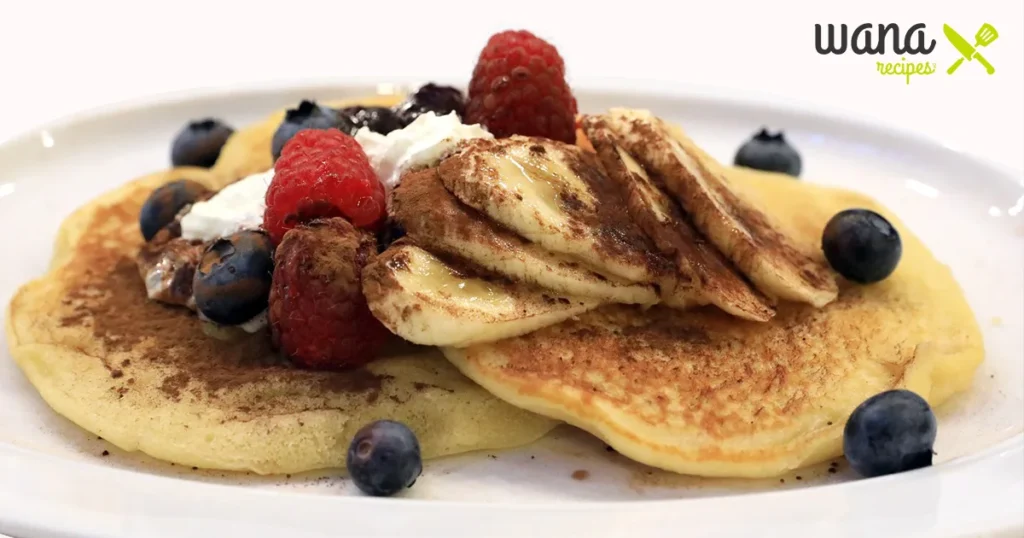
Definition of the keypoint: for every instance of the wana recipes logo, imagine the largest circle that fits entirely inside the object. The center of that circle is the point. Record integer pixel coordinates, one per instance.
(885, 38)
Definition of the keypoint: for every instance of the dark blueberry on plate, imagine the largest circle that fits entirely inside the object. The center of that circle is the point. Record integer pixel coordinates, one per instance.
(164, 204)
(378, 119)
(769, 152)
(861, 245)
(384, 458)
(308, 115)
(199, 143)
(441, 100)
(232, 281)
(890, 433)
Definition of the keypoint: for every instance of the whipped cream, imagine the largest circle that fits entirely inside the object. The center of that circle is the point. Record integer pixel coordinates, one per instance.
(239, 206)
(421, 143)
(255, 324)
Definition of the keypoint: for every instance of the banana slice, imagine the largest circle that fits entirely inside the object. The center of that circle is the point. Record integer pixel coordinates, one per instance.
(427, 301)
(704, 273)
(556, 196)
(740, 231)
(434, 219)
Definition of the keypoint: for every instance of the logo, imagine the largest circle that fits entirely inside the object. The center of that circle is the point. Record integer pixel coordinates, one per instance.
(881, 39)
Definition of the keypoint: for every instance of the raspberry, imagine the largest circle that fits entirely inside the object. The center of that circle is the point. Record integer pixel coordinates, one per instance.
(318, 315)
(322, 174)
(518, 87)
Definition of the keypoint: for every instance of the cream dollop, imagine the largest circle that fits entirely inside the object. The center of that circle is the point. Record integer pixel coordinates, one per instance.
(237, 207)
(421, 143)
(257, 323)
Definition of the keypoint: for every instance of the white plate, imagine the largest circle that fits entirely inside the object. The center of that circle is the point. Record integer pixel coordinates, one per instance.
(54, 481)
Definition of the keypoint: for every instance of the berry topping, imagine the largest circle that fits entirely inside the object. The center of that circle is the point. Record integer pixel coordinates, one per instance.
(232, 281)
(441, 100)
(769, 152)
(861, 245)
(384, 458)
(308, 115)
(518, 87)
(322, 174)
(199, 143)
(890, 433)
(318, 315)
(377, 118)
(165, 202)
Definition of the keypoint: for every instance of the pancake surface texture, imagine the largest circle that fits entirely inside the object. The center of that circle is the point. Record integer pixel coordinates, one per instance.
(701, 393)
(146, 377)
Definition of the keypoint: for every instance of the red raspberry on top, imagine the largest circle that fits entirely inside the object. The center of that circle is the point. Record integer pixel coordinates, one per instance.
(322, 174)
(318, 314)
(518, 87)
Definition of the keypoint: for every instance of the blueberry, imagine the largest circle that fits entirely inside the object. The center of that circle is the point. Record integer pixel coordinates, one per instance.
(232, 281)
(861, 245)
(199, 143)
(890, 433)
(384, 458)
(441, 100)
(769, 152)
(164, 204)
(308, 115)
(377, 118)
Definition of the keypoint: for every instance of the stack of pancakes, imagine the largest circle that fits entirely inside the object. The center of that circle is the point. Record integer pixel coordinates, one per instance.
(630, 286)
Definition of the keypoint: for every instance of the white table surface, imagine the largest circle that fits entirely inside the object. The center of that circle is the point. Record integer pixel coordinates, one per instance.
(59, 57)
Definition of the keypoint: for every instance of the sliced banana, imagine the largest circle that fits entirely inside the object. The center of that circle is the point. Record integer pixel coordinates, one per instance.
(556, 196)
(427, 301)
(437, 221)
(704, 274)
(742, 232)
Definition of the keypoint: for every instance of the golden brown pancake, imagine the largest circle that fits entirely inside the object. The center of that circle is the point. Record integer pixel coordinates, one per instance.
(145, 376)
(702, 393)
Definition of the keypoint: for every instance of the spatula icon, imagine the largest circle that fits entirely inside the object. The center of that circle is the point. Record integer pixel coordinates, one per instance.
(985, 36)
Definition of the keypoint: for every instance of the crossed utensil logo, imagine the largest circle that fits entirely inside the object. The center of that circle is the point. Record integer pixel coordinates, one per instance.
(985, 36)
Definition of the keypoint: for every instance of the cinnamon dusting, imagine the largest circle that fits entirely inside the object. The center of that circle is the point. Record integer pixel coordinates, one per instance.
(146, 344)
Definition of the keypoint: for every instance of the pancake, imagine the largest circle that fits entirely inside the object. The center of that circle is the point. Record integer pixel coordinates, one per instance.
(146, 377)
(701, 393)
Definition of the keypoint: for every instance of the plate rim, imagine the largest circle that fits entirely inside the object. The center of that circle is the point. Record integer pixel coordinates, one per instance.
(652, 89)
(21, 521)
(258, 509)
